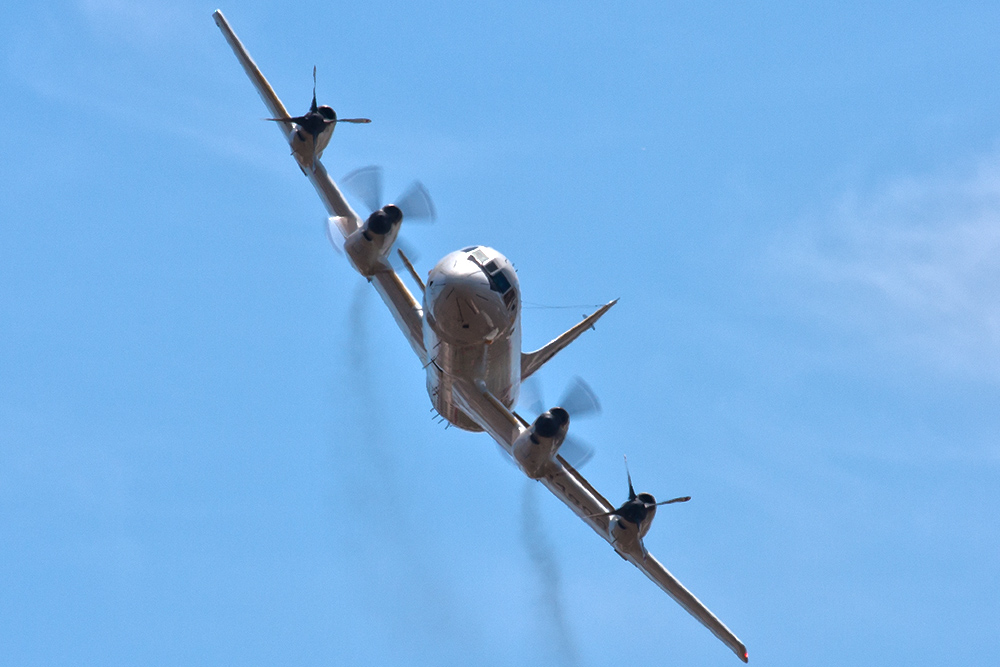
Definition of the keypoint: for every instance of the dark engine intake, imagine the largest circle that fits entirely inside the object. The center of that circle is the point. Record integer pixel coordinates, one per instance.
(548, 423)
(382, 220)
(536, 448)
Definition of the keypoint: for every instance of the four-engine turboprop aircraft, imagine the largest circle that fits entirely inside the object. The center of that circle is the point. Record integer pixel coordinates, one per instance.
(467, 335)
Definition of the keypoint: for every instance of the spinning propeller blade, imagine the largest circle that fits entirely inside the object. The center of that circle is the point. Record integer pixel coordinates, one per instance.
(578, 400)
(576, 452)
(530, 399)
(631, 491)
(365, 184)
(416, 203)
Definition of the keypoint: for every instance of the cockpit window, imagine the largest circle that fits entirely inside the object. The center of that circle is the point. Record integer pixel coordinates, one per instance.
(499, 279)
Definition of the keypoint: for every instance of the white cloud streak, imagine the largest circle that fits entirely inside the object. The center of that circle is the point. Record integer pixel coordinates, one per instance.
(138, 23)
(914, 266)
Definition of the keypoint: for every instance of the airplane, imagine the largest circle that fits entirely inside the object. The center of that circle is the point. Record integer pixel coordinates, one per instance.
(466, 333)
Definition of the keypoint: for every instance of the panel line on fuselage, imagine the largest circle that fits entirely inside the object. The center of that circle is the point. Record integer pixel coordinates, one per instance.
(474, 328)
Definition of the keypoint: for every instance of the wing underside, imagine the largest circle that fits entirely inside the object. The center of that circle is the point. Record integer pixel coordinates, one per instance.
(653, 569)
(561, 479)
(585, 501)
(400, 301)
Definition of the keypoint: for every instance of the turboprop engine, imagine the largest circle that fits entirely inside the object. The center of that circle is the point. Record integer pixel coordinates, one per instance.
(311, 131)
(373, 240)
(537, 447)
(630, 522)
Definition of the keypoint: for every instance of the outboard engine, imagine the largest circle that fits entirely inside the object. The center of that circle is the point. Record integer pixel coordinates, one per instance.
(630, 522)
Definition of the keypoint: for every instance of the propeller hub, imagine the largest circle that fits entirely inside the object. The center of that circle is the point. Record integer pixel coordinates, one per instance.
(550, 423)
(379, 222)
(313, 123)
(634, 511)
(393, 213)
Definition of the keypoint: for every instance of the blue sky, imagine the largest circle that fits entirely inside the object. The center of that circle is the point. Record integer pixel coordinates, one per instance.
(216, 448)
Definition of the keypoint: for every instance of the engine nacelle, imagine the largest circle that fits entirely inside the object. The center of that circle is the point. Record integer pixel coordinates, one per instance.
(373, 240)
(536, 449)
(625, 536)
(327, 112)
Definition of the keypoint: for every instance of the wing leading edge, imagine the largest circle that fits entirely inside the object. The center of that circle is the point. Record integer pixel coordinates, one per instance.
(579, 495)
(653, 569)
(561, 479)
(404, 307)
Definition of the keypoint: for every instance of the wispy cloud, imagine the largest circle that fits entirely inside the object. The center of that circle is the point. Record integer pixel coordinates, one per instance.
(913, 265)
(138, 23)
(138, 66)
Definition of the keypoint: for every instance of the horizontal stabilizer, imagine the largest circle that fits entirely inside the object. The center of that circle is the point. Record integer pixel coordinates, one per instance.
(532, 361)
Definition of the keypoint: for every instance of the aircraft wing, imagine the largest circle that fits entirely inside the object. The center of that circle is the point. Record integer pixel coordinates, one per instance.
(267, 93)
(653, 569)
(405, 309)
(572, 488)
(327, 190)
(561, 479)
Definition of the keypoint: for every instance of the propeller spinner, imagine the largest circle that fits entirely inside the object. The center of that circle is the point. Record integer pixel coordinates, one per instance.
(318, 123)
(578, 401)
(640, 507)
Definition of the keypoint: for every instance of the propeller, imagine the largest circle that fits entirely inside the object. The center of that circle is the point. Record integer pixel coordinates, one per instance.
(317, 118)
(647, 498)
(365, 184)
(638, 505)
(579, 400)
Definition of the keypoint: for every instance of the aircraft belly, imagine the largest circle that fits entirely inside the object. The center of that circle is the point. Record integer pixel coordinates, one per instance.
(468, 337)
(497, 363)
(470, 334)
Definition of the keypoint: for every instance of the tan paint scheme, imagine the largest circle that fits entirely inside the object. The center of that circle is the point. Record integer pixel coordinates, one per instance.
(473, 372)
